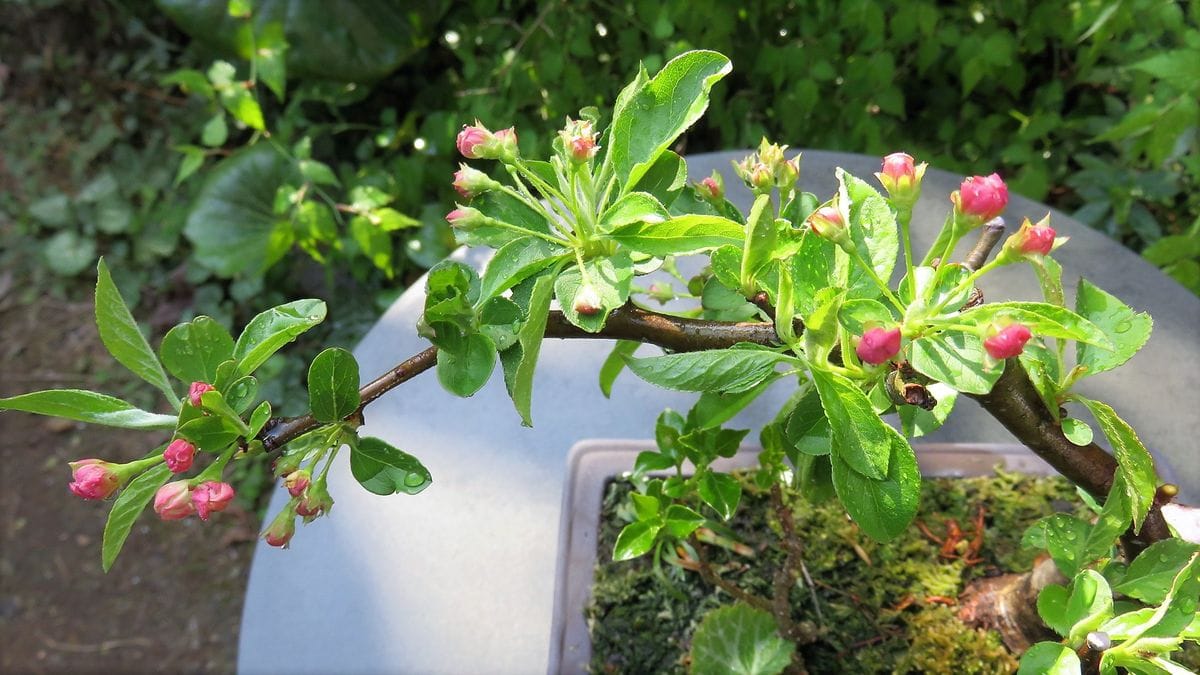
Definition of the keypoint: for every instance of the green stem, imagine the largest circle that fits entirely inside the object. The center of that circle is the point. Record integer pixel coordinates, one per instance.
(887, 292)
(214, 470)
(904, 217)
(940, 243)
(536, 205)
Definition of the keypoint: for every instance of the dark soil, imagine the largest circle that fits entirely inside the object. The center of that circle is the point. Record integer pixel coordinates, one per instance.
(172, 601)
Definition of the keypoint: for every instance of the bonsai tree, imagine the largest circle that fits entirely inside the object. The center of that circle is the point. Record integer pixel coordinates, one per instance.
(795, 290)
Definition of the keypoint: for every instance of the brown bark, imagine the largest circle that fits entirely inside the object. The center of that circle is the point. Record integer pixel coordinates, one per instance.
(1008, 605)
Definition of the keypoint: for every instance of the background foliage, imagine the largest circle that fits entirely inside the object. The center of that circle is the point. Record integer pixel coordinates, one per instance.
(226, 155)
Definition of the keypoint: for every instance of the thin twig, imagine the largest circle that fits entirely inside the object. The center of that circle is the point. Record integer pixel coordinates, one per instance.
(989, 236)
(710, 575)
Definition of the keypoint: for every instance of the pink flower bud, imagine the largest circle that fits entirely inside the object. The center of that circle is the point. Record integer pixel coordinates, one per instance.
(878, 345)
(898, 165)
(587, 301)
(94, 478)
(314, 502)
(296, 482)
(1038, 240)
(465, 218)
(981, 197)
(196, 391)
(470, 182)
(1008, 341)
(827, 223)
(173, 501)
(1030, 241)
(210, 497)
(179, 455)
(506, 144)
(712, 188)
(472, 140)
(579, 140)
(280, 532)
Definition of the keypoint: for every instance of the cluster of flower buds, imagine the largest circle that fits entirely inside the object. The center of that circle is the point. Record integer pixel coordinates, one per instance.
(178, 500)
(979, 199)
(767, 168)
(1031, 241)
(711, 189)
(579, 141)
(878, 345)
(470, 182)
(310, 499)
(1006, 341)
(901, 176)
(477, 142)
(196, 390)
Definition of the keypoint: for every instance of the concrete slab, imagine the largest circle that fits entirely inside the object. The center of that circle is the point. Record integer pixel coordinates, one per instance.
(460, 578)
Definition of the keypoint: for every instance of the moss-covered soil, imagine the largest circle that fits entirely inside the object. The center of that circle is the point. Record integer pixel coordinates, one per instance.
(876, 608)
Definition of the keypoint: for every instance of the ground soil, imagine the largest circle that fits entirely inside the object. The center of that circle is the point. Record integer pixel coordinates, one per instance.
(172, 601)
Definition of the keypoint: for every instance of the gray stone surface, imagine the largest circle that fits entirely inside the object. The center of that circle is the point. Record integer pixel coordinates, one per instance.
(460, 578)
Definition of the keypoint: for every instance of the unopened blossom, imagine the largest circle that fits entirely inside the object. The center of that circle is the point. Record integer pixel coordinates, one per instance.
(981, 198)
(579, 140)
(173, 501)
(474, 140)
(712, 189)
(465, 218)
(827, 222)
(506, 144)
(901, 176)
(281, 529)
(470, 182)
(210, 497)
(179, 455)
(587, 301)
(316, 501)
(196, 390)
(1007, 342)
(94, 478)
(297, 482)
(878, 345)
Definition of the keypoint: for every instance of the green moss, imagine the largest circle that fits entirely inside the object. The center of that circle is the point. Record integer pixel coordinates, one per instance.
(642, 614)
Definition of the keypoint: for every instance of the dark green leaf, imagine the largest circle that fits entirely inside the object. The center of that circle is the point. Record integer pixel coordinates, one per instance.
(87, 406)
(861, 440)
(807, 429)
(128, 506)
(274, 328)
(1133, 460)
(123, 338)
(615, 363)
(720, 491)
(713, 409)
(384, 470)
(516, 261)
(520, 362)
(882, 508)
(718, 370)
(957, 359)
(1150, 574)
(464, 373)
(739, 640)
(1127, 330)
(192, 351)
(333, 385)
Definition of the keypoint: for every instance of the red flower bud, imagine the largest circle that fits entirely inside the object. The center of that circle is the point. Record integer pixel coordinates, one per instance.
(296, 482)
(579, 140)
(1008, 341)
(1038, 240)
(179, 455)
(94, 478)
(314, 502)
(196, 391)
(470, 182)
(173, 501)
(465, 218)
(827, 223)
(472, 140)
(878, 345)
(210, 497)
(981, 197)
(898, 165)
(280, 532)
(712, 188)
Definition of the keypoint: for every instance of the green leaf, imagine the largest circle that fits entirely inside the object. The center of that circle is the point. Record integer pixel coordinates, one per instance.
(651, 113)
(720, 491)
(861, 440)
(615, 363)
(520, 362)
(874, 231)
(507, 209)
(682, 521)
(192, 351)
(807, 429)
(1042, 318)
(664, 179)
(464, 373)
(384, 470)
(636, 539)
(1127, 330)
(214, 403)
(1089, 605)
(516, 261)
(374, 243)
(713, 409)
(68, 253)
(333, 385)
(1149, 576)
(233, 217)
(761, 235)
(268, 332)
(128, 506)
(1077, 431)
(915, 422)
(739, 639)
(87, 406)
(214, 133)
(882, 508)
(270, 49)
(260, 417)
(957, 359)
(1133, 459)
(241, 393)
(719, 370)
(609, 277)
(680, 235)
(1049, 658)
(635, 207)
(811, 271)
(121, 335)
(1052, 607)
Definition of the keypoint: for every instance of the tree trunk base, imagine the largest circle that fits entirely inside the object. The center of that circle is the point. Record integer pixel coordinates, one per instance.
(1008, 605)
